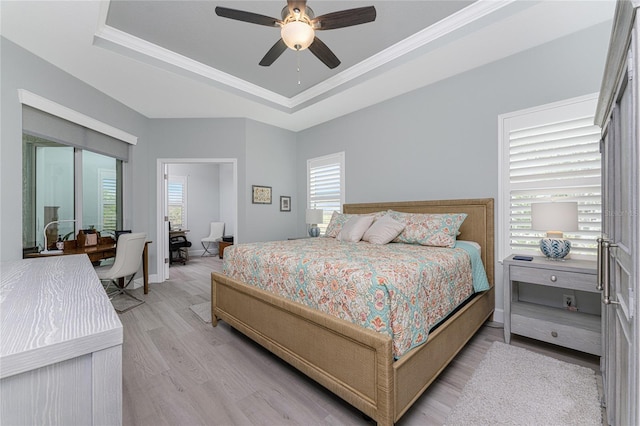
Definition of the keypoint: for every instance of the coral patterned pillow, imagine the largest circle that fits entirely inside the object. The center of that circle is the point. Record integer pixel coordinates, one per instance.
(336, 223)
(437, 230)
(339, 219)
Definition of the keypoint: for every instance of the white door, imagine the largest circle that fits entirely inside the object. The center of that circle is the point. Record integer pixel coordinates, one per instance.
(619, 257)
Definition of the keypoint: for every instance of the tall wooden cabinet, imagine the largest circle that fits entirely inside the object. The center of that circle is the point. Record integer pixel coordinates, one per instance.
(618, 273)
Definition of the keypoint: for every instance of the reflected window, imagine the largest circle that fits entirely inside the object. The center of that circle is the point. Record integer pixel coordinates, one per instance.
(101, 193)
(60, 182)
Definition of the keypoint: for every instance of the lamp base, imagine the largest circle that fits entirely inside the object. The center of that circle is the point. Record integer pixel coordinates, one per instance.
(52, 252)
(555, 248)
(314, 231)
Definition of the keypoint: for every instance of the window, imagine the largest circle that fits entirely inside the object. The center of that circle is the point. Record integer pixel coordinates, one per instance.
(72, 171)
(325, 185)
(178, 202)
(107, 197)
(549, 153)
(100, 192)
(50, 181)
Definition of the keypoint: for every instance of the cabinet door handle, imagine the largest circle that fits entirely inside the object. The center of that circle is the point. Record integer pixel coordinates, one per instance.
(599, 280)
(606, 293)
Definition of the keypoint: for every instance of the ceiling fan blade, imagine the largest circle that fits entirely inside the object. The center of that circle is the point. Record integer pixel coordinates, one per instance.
(253, 18)
(345, 18)
(323, 53)
(273, 53)
(297, 4)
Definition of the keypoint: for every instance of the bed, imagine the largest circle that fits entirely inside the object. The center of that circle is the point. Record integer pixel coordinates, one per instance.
(356, 363)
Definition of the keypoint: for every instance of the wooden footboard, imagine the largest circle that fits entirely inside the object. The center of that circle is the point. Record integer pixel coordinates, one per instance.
(353, 362)
(415, 371)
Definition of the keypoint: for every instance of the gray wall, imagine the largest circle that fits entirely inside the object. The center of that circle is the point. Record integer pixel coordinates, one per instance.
(441, 142)
(228, 199)
(22, 70)
(191, 139)
(271, 159)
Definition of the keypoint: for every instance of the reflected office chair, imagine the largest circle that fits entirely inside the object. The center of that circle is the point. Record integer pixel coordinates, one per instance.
(178, 247)
(128, 261)
(214, 238)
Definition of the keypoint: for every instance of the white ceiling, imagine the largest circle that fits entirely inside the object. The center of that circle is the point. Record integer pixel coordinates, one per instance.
(177, 59)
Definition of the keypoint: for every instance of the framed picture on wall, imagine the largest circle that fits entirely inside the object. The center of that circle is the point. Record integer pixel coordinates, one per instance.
(285, 203)
(260, 194)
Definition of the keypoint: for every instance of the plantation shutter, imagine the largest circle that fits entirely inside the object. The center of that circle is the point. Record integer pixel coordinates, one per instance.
(177, 202)
(326, 185)
(109, 212)
(553, 155)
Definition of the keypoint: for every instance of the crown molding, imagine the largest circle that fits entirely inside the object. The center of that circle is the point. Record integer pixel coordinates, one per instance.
(112, 36)
(463, 17)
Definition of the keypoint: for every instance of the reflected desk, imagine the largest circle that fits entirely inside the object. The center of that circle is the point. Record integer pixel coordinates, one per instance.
(180, 233)
(101, 252)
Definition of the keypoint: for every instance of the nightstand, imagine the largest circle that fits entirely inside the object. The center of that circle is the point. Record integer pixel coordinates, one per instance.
(536, 298)
(223, 245)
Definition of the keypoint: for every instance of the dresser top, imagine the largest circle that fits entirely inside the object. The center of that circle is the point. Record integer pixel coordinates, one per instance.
(52, 309)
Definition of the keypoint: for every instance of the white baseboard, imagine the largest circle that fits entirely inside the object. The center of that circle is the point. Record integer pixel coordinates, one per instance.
(498, 316)
(137, 283)
(199, 253)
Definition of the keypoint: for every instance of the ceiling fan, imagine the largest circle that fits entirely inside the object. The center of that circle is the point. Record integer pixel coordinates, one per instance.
(298, 26)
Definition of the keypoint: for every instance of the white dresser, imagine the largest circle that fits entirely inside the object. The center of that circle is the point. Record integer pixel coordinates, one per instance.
(60, 345)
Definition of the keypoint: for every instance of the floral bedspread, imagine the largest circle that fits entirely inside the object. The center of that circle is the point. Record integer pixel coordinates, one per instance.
(401, 290)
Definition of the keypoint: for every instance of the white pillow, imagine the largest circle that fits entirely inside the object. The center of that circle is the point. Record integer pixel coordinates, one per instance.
(383, 230)
(353, 230)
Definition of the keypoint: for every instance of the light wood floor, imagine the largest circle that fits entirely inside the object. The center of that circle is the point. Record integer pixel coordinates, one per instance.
(180, 371)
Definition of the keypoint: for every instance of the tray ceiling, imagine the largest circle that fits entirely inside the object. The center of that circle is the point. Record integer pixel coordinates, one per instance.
(175, 59)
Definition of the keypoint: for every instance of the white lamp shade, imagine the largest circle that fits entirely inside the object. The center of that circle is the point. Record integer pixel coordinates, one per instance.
(297, 35)
(559, 216)
(314, 216)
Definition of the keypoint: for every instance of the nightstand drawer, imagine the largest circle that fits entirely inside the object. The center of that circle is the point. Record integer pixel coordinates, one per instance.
(585, 338)
(555, 278)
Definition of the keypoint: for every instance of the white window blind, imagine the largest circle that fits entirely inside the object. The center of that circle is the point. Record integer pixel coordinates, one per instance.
(177, 197)
(108, 193)
(550, 153)
(325, 185)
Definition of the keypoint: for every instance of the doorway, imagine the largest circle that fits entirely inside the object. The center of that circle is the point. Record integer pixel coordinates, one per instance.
(225, 188)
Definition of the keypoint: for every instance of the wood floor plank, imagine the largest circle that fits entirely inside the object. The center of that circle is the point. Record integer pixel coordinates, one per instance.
(140, 356)
(178, 370)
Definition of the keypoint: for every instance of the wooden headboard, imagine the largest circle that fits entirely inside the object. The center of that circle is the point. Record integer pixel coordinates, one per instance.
(478, 226)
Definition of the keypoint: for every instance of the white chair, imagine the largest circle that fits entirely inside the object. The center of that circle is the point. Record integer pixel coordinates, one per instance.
(129, 250)
(215, 236)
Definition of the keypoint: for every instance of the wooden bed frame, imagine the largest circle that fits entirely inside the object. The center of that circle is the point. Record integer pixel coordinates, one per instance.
(355, 363)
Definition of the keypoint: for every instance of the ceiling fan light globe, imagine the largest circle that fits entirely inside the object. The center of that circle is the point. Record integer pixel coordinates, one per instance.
(297, 35)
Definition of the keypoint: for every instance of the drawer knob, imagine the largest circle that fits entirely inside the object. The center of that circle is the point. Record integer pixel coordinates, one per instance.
(553, 280)
(554, 334)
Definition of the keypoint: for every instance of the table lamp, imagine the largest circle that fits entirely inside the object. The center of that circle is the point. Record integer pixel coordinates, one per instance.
(313, 218)
(555, 218)
(44, 231)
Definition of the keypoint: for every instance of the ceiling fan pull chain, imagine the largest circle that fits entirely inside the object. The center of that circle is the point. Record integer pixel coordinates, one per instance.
(298, 60)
